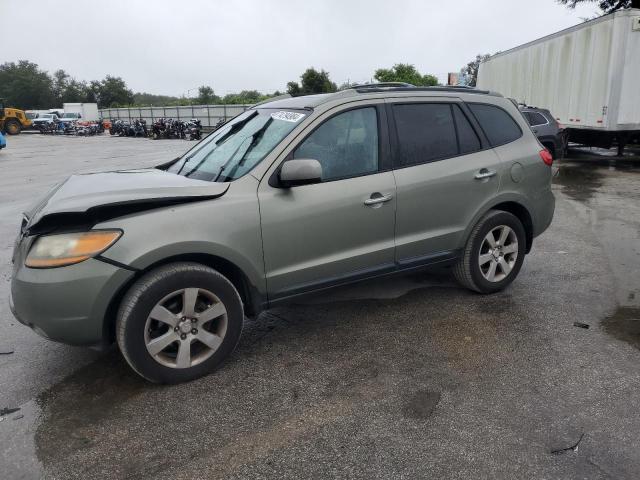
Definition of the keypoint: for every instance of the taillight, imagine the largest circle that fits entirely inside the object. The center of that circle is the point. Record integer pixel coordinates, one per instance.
(546, 156)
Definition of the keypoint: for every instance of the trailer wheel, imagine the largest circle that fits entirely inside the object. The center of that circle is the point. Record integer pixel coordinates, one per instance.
(12, 127)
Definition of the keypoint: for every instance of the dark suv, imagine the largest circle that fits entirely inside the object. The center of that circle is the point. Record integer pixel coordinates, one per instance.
(551, 134)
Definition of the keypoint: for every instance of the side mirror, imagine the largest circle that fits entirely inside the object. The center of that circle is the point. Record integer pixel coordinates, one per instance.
(300, 172)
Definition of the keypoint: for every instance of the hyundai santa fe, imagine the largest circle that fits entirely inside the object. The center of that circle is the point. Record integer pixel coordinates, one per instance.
(292, 196)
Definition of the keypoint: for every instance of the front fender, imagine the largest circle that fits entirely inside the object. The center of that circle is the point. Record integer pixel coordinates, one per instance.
(228, 228)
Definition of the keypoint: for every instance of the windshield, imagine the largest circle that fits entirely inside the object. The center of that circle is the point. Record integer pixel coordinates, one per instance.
(69, 115)
(47, 115)
(237, 147)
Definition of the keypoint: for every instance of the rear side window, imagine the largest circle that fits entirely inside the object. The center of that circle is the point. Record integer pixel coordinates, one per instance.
(499, 127)
(535, 118)
(432, 131)
(426, 132)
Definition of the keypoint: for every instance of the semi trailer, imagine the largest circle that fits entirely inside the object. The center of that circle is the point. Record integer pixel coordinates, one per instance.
(588, 76)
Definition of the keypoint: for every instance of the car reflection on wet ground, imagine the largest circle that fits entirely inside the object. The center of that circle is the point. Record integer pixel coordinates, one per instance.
(410, 377)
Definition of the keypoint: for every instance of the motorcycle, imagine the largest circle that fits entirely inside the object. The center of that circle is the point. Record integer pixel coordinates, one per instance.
(194, 129)
(117, 127)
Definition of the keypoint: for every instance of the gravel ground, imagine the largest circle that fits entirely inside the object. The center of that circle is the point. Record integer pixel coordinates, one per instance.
(409, 377)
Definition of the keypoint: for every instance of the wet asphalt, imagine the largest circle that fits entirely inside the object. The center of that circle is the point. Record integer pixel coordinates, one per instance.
(410, 377)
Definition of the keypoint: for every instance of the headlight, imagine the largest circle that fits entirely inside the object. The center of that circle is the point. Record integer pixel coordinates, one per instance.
(52, 251)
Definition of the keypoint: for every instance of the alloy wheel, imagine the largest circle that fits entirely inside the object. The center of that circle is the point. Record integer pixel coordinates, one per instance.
(498, 253)
(185, 328)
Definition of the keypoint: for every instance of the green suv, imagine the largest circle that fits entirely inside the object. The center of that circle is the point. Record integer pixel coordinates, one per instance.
(293, 196)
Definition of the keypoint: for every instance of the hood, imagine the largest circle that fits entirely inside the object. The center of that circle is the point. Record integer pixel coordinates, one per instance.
(95, 197)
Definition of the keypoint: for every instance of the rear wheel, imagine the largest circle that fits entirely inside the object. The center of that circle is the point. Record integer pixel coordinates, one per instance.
(493, 254)
(179, 322)
(12, 127)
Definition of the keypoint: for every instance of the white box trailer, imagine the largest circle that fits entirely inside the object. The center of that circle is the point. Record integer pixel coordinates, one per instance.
(588, 76)
(88, 111)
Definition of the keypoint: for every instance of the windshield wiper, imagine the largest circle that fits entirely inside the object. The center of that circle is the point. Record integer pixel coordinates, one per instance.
(236, 126)
(226, 164)
(255, 138)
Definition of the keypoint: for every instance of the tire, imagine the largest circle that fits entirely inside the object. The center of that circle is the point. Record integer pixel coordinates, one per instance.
(469, 272)
(164, 293)
(12, 127)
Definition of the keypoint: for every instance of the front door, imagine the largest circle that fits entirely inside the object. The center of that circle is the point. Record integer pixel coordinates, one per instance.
(342, 228)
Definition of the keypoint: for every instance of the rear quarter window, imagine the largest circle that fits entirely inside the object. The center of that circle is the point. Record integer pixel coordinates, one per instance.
(535, 118)
(499, 127)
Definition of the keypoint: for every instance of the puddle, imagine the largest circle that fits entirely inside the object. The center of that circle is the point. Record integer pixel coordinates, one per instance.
(624, 325)
(421, 404)
(579, 182)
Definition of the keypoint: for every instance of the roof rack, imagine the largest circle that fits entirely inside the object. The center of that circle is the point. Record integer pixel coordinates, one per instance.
(460, 88)
(365, 86)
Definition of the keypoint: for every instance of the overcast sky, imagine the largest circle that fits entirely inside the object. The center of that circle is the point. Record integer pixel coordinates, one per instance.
(170, 47)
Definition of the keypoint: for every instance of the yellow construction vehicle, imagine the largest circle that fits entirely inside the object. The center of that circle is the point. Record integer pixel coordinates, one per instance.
(12, 120)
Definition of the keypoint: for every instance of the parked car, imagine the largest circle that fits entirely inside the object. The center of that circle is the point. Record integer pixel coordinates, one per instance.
(46, 121)
(290, 197)
(550, 133)
(3, 141)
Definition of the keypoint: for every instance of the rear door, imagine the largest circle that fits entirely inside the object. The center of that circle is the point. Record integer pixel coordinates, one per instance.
(445, 171)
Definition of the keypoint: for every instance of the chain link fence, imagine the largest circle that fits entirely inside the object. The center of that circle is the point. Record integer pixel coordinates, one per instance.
(209, 115)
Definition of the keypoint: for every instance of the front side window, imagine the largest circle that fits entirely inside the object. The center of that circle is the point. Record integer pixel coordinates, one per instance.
(345, 145)
(499, 127)
(233, 150)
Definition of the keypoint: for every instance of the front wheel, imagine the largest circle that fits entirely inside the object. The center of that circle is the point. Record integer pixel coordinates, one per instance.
(493, 254)
(179, 322)
(12, 127)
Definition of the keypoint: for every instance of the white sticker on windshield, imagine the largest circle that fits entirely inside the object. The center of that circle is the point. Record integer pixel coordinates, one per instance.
(288, 116)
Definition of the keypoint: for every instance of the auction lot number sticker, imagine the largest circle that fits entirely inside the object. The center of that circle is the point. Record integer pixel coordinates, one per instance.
(288, 116)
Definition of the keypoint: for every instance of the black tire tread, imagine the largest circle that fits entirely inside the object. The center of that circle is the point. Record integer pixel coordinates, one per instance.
(132, 297)
(462, 268)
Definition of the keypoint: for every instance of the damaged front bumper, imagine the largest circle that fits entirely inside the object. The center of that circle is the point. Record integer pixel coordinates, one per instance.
(67, 304)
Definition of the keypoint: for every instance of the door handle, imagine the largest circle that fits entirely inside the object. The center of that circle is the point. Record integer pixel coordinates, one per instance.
(484, 173)
(377, 198)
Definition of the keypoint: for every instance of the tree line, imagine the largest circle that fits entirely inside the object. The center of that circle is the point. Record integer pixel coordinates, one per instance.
(25, 85)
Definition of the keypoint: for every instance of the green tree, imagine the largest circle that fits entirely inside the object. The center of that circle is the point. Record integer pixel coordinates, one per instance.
(112, 92)
(60, 84)
(244, 97)
(142, 99)
(470, 71)
(293, 89)
(607, 6)
(206, 96)
(67, 89)
(312, 81)
(25, 86)
(404, 72)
